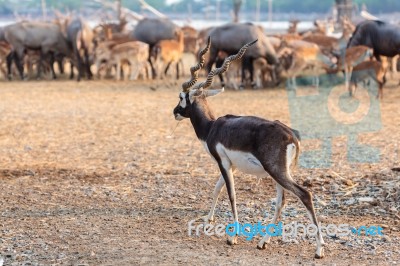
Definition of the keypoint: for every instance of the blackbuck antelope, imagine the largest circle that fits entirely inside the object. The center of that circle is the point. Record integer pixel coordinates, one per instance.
(251, 144)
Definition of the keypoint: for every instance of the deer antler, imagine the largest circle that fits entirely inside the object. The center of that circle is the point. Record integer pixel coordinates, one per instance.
(224, 66)
(195, 69)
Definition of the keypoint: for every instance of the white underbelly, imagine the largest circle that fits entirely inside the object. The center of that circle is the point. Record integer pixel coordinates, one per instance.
(243, 161)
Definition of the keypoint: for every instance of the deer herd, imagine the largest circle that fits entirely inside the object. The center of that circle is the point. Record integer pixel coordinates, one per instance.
(155, 44)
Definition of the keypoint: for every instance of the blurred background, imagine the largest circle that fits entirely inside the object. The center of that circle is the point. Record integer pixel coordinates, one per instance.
(210, 10)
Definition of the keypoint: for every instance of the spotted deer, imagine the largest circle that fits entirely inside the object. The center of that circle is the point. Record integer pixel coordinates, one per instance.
(251, 144)
(350, 58)
(135, 53)
(367, 70)
(298, 55)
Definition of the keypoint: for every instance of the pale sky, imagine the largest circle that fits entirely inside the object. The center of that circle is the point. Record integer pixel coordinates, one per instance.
(172, 1)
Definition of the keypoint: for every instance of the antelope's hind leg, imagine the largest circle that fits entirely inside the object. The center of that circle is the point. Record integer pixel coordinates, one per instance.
(282, 176)
(280, 204)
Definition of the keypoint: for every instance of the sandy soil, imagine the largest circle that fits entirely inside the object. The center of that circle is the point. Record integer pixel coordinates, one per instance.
(93, 173)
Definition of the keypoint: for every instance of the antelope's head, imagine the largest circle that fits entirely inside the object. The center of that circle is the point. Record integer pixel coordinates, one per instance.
(192, 91)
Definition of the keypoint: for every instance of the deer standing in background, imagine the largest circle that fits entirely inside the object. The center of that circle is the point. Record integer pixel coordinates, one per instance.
(170, 51)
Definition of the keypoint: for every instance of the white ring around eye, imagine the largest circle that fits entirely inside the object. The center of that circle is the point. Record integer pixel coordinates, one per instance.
(182, 100)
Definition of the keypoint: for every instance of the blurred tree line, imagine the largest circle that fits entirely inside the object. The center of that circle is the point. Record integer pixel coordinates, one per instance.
(197, 6)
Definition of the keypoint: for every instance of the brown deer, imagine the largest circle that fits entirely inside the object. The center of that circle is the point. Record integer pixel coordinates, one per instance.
(352, 57)
(134, 53)
(298, 55)
(372, 69)
(170, 51)
(4, 51)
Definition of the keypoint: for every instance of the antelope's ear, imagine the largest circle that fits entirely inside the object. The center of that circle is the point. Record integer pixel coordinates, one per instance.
(195, 93)
(209, 93)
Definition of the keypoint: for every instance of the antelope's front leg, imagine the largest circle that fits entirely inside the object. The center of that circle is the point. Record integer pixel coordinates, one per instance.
(226, 171)
(217, 190)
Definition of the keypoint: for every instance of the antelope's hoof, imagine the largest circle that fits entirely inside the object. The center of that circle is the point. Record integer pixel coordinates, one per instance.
(263, 246)
(232, 241)
(320, 255)
(208, 220)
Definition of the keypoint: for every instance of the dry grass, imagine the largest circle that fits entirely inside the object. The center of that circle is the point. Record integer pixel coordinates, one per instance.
(93, 174)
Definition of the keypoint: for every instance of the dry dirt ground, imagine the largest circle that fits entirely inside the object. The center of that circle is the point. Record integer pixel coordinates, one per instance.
(93, 173)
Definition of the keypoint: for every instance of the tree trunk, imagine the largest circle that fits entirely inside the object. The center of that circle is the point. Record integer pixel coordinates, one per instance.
(44, 10)
(119, 11)
(344, 9)
(236, 8)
